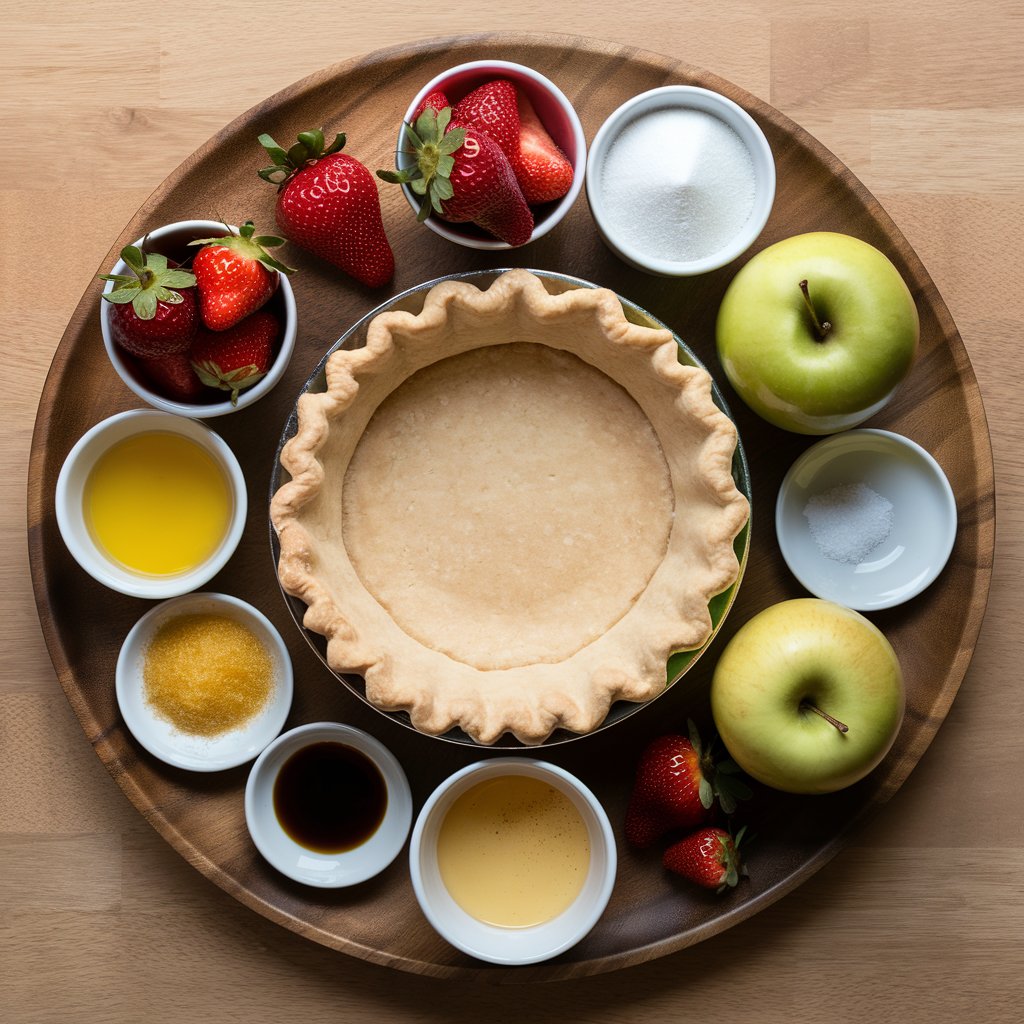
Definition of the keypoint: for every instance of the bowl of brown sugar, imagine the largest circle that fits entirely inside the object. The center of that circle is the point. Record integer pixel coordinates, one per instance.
(204, 682)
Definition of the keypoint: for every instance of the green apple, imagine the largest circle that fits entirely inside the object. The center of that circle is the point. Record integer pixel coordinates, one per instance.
(808, 696)
(817, 332)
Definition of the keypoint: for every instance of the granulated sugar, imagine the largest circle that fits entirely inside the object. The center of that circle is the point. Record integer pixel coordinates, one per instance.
(678, 184)
(849, 521)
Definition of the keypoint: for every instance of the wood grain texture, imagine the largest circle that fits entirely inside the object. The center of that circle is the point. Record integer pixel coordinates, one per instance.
(920, 919)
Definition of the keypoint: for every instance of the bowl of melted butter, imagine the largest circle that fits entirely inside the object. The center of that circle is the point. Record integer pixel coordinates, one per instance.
(512, 860)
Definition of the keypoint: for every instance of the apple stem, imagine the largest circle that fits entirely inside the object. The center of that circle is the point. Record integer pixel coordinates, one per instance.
(828, 718)
(821, 327)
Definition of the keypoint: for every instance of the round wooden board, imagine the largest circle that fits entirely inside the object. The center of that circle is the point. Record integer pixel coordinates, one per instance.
(650, 914)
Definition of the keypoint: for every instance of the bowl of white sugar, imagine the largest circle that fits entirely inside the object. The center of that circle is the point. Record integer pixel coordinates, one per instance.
(866, 518)
(680, 181)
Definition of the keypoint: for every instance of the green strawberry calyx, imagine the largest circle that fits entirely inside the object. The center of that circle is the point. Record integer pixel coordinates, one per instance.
(250, 246)
(210, 373)
(150, 282)
(729, 857)
(718, 778)
(304, 153)
(430, 175)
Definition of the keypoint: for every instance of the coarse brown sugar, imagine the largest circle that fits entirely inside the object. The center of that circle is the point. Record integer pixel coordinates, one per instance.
(207, 674)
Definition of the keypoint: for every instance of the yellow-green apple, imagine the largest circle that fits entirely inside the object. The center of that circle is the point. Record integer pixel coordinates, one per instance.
(817, 332)
(808, 696)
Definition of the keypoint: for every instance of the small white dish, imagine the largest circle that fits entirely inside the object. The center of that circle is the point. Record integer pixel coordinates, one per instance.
(682, 97)
(556, 113)
(172, 240)
(159, 736)
(71, 516)
(326, 870)
(923, 513)
(511, 946)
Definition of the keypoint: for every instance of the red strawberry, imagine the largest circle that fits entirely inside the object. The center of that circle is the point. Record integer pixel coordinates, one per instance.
(235, 275)
(492, 108)
(709, 857)
(542, 169)
(463, 175)
(327, 202)
(154, 310)
(507, 115)
(235, 359)
(676, 785)
(173, 377)
(436, 101)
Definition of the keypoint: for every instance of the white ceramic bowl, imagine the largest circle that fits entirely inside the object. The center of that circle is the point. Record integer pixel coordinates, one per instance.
(557, 115)
(924, 518)
(512, 945)
(171, 240)
(688, 98)
(326, 870)
(71, 517)
(160, 737)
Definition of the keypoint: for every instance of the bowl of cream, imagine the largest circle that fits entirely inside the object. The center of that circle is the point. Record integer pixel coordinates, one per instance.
(680, 180)
(512, 860)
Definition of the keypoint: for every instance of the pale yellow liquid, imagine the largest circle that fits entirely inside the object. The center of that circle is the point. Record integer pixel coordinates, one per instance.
(157, 503)
(513, 852)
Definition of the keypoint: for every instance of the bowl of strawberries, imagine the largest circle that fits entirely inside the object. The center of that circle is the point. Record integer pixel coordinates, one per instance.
(491, 155)
(198, 317)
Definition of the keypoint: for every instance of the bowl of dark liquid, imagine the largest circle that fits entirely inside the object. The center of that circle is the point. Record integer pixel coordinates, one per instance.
(328, 805)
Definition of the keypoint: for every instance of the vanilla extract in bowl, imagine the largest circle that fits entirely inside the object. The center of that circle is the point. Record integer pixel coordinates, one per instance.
(330, 797)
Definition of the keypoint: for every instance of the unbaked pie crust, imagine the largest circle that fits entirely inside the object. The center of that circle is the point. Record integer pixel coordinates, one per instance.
(508, 511)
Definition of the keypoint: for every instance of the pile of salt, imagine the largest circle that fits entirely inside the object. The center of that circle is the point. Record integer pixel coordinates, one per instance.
(849, 521)
(678, 184)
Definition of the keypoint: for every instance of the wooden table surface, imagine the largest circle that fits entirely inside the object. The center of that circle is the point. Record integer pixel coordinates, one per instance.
(921, 919)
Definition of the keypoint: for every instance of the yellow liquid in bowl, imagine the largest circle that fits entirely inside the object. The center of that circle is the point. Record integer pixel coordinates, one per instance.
(157, 504)
(513, 852)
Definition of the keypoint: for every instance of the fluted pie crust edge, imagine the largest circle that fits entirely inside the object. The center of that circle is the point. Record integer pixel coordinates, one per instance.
(440, 685)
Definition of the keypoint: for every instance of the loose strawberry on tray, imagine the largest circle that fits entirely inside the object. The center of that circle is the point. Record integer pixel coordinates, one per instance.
(154, 308)
(709, 857)
(328, 203)
(235, 275)
(463, 175)
(677, 784)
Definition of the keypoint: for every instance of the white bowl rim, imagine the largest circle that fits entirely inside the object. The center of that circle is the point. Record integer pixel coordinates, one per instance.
(929, 463)
(516, 766)
(399, 809)
(67, 505)
(753, 138)
(272, 717)
(450, 230)
(191, 409)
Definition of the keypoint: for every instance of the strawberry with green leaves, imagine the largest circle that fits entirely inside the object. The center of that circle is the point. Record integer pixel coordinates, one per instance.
(237, 358)
(677, 784)
(463, 176)
(328, 203)
(709, 857)
(235, 275)
(154, 310)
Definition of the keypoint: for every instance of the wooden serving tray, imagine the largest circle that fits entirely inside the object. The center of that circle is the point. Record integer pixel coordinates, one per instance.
(651, 913)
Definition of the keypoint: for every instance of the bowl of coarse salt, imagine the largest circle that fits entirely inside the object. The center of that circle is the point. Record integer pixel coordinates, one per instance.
(680, 180)
(866, 518)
